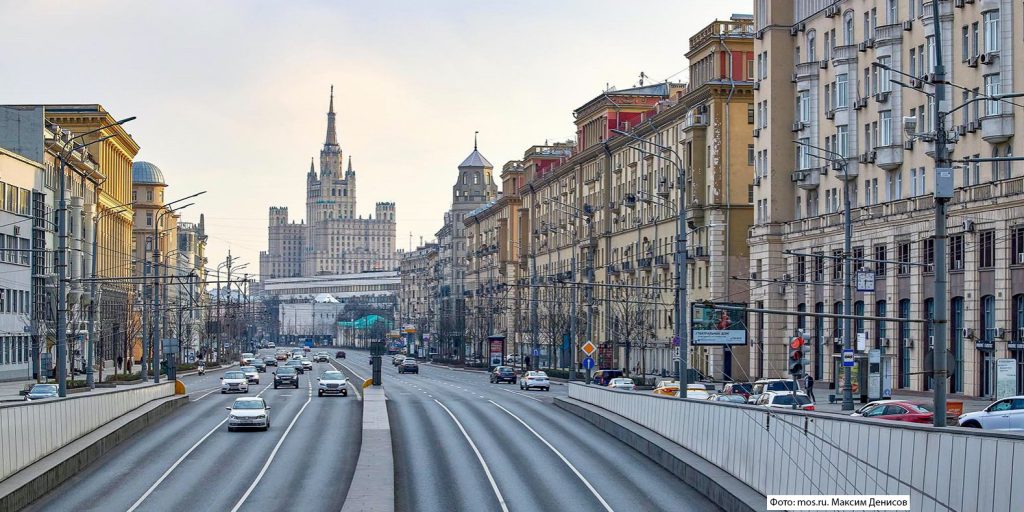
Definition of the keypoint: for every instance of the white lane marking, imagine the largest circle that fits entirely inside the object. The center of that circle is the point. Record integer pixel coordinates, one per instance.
(205, 395)
(266, 465)
(179, 461)
(487, 470)
(524, 395)
(560, 456)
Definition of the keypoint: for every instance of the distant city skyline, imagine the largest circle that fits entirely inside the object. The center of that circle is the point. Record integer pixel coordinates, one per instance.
(233, 100)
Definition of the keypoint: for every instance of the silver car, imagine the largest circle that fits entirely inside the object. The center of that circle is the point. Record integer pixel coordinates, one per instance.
(234, 381)
(307, 365)
(332, 382)
(1005, 414)
(251, 373)
(248, 413)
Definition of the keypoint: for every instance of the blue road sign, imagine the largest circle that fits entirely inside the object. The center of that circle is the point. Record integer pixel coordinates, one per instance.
(588, 363)
(536, 352)
(848, 358)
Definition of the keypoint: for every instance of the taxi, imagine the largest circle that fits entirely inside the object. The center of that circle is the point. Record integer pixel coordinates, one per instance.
(667, 388)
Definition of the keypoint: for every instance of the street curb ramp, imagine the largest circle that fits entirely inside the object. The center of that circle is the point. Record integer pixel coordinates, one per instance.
(24, 487)
(713, 482)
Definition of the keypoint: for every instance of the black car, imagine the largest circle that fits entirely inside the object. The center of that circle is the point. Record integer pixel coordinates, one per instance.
(270, 361)
(261, 365)
(340, 354)
(286, 376)
(503, 374)
(296, 364)
(409, 366)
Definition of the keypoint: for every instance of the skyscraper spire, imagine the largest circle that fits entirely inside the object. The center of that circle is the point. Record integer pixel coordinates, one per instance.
(349, 166)
(312, 169)
(332, 134)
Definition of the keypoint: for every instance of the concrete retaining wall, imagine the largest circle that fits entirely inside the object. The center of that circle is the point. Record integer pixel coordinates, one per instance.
(32, 430)
(781, 452)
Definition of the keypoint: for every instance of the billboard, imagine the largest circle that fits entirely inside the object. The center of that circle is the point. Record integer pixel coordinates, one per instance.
(496, 346)
(715, 326)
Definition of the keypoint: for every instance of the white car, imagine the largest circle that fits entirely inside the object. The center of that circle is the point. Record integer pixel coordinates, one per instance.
(696, 391)
(248, 412)
(247, 358)
(784, 400)
(307, 365)
(535, 380)
(622, 383)
(234, 381)
(1005, 414)
(251, 373)
(332, 382)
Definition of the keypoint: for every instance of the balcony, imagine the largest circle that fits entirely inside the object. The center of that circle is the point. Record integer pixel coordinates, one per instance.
(807, 71)
(613, 269)
(889, 34)
(997, 129)
(807, 179)
(846, 54)
(694, 120)
(627, 266)
(645, 263)
(889, 157)
(663, 261)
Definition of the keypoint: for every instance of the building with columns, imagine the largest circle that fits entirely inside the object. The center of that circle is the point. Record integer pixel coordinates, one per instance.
(870, 141)
(334, 238)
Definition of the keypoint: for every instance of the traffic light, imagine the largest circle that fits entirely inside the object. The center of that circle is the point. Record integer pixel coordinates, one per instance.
(796, 356)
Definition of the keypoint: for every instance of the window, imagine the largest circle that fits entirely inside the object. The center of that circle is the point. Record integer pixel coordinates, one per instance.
(987, 249)
(1017, 246)
(803, 154)
(975, 50)
(891, 11)
(801, 269)
(880, 324)
(903, 255)
(956, 252)
(993, 83)
(843, 140)
(991, 20)
(988, 318)
(880, 255)
(750, 113)
(883, 75)
(803, 106)
(149, 218)
(837, 265)
(848, 28)
(885, 128)
(812, 52)
(837, 323)
(965, 43)
(819, 268)
(928, 254)
(842, 90)
(1018, 318)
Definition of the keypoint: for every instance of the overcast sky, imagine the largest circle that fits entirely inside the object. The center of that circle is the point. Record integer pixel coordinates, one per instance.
(231, 96)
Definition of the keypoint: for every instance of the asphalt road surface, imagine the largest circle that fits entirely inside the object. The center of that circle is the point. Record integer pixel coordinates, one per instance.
(190, 462)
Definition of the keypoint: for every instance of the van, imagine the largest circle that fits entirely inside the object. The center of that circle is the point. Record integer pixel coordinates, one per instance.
(603, 377)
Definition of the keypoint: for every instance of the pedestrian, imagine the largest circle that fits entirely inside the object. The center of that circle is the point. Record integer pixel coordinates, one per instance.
(809, 386)
(120, 361)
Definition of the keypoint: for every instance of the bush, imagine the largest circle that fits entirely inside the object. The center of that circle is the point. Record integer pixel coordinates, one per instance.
(72, 384)
(123, 377)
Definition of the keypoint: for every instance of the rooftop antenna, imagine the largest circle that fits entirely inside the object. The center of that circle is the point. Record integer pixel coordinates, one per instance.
(642, 77)
(474, 139)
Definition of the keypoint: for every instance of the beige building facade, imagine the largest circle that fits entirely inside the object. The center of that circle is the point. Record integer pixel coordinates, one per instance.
(858, 130)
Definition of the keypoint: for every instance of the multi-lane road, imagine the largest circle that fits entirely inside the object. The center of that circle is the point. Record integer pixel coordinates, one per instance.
(459, 442)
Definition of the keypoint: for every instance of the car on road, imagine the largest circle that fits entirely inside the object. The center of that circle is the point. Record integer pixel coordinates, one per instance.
(603, 377)
(332, 382)
(397, 359)
(234, 381)
(1005, 414)
(503, 374)
(898, 410)
(296, 365)
(248, 412)
(409, 365)
(534, 379)
(247, 358)
(251, 374)
(784, 400)
(321, 357)
(738, 388)
(281, 356)
(260, 364)
(270, 361)
(697, 391)
(667, 388)
(307, 349)
(340, 354)
(623, 383)
(41, 392)
(271, 345)
(307, 365)
(722, 397)
(286, 376)
(765, 385)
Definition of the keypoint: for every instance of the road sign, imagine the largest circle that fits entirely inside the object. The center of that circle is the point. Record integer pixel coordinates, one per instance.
(588, 348)
(588, 363)
(535, 352)
(848, 358)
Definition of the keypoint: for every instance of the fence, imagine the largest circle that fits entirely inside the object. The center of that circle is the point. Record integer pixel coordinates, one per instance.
(782, 452)
(32, 430)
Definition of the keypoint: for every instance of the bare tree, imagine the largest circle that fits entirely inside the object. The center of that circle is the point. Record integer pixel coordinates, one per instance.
(630, 319)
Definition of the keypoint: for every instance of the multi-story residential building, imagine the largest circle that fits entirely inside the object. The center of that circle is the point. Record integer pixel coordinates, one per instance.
(188, 311)
(16, 298)
(416, 293)
(334, 239)
(864, 138)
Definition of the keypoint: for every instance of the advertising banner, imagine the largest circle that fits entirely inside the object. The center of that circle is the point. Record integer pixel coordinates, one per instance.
(712, 326)
(496, 356)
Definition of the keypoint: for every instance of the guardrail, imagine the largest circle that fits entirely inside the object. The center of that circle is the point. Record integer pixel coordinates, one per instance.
(781, 452)
(33, 430)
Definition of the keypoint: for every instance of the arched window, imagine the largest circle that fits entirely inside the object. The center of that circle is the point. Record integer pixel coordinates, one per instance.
(880, 325)
(858, 309)
(848, 27)
(812, 51)
(988, 319)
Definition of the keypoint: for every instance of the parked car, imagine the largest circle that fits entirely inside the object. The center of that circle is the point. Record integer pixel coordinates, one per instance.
(286, 376)
(409, 366)
(332, 382)
(623, 383)
(667, 388)
(534, 379)
(234, 381)
(340, 354)
(696, 391)
(603, 377)
(738, 388)
(765, 385)
(41, 392)
(1005, 414)
(898, 410)
(722, 397)
(503, 374)
(784, 400)
(248, 412)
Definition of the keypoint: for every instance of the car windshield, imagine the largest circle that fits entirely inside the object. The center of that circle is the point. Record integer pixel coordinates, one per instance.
(332, 376)
(248, 404)
(248, 368)
(286, 371)
(788, 400)
(780, 385)
(257, 361)
(746, 388)
(234, 375)
(621, 381)
(919, 408)
(39, 389)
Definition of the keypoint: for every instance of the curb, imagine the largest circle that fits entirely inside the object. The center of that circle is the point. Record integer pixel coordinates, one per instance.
(714, 483)
(22, 488)
(373, 484)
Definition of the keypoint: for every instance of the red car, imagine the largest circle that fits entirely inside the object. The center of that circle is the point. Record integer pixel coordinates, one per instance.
(898, 410)
(738, 388)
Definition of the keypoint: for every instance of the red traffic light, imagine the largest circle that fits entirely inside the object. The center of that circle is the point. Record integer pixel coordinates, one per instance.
(796, 343)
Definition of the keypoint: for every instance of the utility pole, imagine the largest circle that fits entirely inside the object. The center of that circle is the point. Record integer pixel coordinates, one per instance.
(943, 193)
(62, 295)
(534, 323)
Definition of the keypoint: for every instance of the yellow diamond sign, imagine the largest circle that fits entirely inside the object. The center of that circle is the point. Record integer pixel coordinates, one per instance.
(588, 348)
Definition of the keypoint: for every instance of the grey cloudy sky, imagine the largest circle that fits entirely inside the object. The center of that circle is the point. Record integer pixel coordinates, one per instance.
(231, 95)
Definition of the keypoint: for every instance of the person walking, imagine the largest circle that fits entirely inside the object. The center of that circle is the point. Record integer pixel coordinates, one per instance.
(809, 387)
